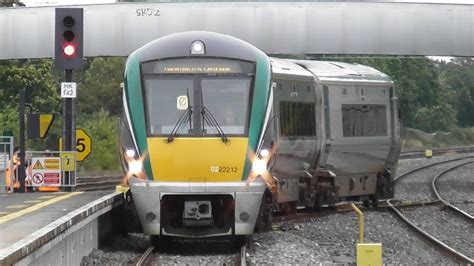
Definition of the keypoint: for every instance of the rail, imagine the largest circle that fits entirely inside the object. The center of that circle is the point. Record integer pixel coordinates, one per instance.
(446, 203)
(145, 259)
(243, 254)
(447, 248)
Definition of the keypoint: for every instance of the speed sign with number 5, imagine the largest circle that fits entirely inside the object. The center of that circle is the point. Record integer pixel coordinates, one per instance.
(83, 144)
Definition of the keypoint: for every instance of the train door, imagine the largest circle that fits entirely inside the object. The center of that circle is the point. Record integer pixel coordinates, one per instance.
(295, 108)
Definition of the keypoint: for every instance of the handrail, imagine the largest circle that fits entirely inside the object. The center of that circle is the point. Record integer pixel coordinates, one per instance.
(360, 216)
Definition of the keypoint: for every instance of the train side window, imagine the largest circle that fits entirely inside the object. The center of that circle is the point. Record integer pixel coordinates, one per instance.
(360, 120)
(297, 119)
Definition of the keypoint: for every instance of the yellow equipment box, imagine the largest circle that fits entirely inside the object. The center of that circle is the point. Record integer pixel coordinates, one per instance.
(369, 254)
(429, 153)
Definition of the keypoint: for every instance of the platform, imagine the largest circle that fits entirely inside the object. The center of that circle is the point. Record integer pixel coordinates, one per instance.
(30, 220)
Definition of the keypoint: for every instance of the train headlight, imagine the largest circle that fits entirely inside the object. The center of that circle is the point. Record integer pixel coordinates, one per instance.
(264, 153)
(130, 153)
(198, 47)
(259, 166)
(135, 167)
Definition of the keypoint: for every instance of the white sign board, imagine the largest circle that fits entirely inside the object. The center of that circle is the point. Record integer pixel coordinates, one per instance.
(68, 89)
(182, 102)
(46, 171)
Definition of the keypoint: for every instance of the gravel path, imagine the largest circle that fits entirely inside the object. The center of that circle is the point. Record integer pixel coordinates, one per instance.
(446, 226)
(328, 240)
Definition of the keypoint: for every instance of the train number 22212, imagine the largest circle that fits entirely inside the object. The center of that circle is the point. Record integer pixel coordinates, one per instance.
(223, 169)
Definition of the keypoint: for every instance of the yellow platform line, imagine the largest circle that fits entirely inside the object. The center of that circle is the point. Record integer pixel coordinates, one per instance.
(36, 207)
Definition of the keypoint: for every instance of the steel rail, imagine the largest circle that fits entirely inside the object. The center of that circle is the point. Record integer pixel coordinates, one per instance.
(429, 165)
(243, 254)
(446, 203)
(146, 257)
(447, 248)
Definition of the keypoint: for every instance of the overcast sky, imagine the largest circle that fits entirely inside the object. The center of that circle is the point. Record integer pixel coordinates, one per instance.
(87, 2)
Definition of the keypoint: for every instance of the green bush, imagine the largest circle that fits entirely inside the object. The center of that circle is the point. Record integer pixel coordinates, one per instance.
(103, 130)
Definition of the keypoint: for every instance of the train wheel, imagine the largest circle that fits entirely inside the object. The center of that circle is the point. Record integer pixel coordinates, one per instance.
(374, 200)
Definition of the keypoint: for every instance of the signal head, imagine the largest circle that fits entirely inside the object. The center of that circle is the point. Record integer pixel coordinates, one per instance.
(68, 21)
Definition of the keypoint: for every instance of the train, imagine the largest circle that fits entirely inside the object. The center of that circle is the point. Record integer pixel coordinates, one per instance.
(216, 136)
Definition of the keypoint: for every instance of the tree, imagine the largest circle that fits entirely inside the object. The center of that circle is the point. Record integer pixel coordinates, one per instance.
(458, 77)
(101, 86)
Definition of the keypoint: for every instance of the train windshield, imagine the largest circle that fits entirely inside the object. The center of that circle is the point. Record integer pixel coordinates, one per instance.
(227, 100)
(197, 97)
(168, 100)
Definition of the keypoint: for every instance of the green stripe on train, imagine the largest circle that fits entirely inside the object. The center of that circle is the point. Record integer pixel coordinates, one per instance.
(259, 106)
(134, 95)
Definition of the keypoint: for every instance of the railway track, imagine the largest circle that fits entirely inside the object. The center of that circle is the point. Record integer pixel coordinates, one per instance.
(146, 257)
(152, 256)
(447, 243)
(445, 202)
(410, 154)
(446, 247)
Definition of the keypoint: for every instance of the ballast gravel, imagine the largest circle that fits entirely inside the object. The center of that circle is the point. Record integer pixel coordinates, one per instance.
(329, 239)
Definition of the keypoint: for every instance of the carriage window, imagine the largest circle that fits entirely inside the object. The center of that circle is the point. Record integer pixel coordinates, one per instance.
(297, 119)
(360, 120)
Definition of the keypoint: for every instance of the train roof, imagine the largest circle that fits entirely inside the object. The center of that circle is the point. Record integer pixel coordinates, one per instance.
(179, 45)
(340, 71)
(284, 67)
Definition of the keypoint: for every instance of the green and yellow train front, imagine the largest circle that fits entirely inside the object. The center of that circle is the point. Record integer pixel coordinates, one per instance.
(195, 105)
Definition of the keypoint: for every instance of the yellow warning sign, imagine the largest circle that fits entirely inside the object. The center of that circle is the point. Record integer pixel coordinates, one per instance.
(45, 123)
(68, 161)
(38, 165)
(51, 164)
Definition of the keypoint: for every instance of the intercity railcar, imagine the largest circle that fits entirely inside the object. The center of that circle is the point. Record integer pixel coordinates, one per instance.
(216, 135)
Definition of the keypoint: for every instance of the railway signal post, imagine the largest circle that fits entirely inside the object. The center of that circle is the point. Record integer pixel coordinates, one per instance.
(68, 56)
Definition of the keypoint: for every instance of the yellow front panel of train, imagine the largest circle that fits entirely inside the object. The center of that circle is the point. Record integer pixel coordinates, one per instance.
(197, 159)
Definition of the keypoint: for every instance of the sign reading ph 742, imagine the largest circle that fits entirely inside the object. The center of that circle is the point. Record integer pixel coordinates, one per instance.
(68, 89)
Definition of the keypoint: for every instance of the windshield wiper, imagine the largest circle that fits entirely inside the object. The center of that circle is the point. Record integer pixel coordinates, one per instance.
(183, 120)
(211, 120)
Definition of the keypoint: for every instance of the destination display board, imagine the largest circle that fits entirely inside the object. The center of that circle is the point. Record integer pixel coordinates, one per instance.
(198, 66)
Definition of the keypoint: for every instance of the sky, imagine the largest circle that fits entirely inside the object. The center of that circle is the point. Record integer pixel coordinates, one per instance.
(87, 2)
(64, 2)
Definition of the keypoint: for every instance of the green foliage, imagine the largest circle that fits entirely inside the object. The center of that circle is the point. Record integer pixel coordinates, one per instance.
(103, 130)
(42, 92)
(34, 76)
(413, 139)
(101, 86)
(458, 76)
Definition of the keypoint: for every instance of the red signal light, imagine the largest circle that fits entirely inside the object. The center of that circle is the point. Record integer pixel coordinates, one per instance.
(69, 50)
